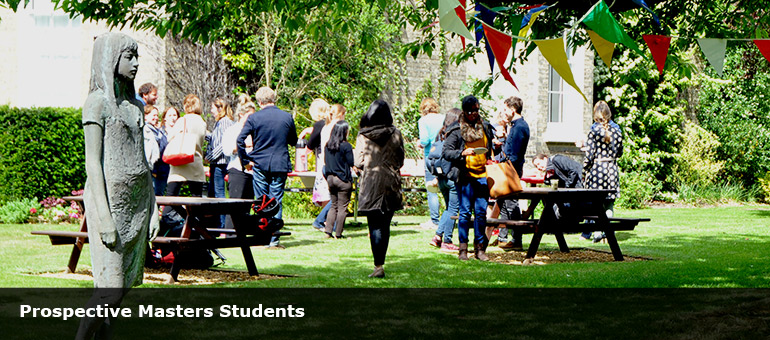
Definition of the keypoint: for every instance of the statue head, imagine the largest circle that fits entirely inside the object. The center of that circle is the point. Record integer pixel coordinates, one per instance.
(114, 60)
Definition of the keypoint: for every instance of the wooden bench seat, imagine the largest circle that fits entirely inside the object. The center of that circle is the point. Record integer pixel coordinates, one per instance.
(59, 237)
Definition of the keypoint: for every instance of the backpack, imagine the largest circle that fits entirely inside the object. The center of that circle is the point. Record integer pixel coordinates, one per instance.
(437, 165)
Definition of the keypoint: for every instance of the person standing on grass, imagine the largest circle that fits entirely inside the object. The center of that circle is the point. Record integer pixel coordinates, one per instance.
(319, 111)
(338, 159)
(379, 155)
(440, 168)
(272, 131)
(514, 150)
(429, 125)
(223, 114)
(604, 146)
(241, 181)
(464, 148)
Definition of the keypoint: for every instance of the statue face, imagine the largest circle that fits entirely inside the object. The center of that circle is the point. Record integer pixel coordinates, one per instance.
(128, 64)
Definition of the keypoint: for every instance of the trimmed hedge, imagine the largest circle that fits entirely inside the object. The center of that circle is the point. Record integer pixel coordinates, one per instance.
(42, 154)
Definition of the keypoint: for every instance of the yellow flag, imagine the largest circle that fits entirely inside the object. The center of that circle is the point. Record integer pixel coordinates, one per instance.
(603, 47)
(554, 53)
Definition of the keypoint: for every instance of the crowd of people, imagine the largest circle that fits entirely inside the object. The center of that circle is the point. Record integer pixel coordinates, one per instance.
(250, 145)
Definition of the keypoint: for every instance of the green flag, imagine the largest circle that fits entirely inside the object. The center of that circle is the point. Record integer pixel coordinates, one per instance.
(600, 20)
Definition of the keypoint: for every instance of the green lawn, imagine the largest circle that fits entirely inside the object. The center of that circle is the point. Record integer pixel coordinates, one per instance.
(689, 247)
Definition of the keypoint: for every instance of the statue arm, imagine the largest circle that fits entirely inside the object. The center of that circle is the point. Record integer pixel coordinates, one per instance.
(104, 225)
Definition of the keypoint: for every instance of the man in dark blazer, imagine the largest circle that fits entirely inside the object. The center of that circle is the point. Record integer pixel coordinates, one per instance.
(272, 131)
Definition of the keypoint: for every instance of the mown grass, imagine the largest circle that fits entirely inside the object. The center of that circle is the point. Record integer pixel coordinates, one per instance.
(689, 247)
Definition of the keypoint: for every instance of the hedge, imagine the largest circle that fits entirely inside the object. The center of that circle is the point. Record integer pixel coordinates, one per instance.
(42, 154)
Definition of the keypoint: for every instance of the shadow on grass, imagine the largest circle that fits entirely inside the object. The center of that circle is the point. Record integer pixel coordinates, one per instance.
(760, 212)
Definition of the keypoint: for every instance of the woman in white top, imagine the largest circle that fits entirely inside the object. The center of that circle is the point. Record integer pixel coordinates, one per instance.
(240, 182)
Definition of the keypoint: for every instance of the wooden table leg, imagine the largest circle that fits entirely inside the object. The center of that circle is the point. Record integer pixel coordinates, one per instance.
(248, 257)
(613, 242)
(562, 242)
(77, 248)
(533, 245)
(531, 209)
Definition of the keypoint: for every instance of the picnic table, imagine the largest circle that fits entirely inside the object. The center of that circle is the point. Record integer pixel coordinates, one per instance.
(202, 213)
(587, 214)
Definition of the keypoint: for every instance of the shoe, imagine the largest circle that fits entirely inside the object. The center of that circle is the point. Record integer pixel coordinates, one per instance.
(462, 252)
(495, 242)
(339, 237)
(449, 247)
(319, 227)
(328, 235)
(510, 245)
(277, 247)
(435, 241)
(378, 272)
(480, 250)
(599, 237)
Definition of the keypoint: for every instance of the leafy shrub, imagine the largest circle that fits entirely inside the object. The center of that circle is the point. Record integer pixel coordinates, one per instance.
(298, 204)
(637, 189)
(715, 193)
(764, 187)
(43, 152)
(696, 162)
(18, 211)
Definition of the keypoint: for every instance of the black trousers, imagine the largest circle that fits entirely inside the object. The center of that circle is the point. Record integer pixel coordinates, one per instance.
(173, 189)
(240, 185)
(379, 234)
(340, 197)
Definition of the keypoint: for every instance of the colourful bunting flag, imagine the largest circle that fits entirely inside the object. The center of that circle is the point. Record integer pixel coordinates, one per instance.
(460, 10)
(554, 53)
(659, 45)
(764, 47)
(714, 49)
(529, 19)
(500, 44)
(644, 5)
(487, 16)
(603, 47)
(450, 20)
(604, 24)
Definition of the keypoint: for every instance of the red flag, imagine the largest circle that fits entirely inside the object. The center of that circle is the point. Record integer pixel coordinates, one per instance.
(764, 47)
(460, 10)
(659, 45)
(500, 44)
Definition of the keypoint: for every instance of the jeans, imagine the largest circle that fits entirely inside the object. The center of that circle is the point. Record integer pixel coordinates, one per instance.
(433, 204)
(474, 194)
(270, 184)
(452, 201)
(217, 180)
(509, 210)
(321, 218)
(379, 234)
(340, 197)
(159, 182)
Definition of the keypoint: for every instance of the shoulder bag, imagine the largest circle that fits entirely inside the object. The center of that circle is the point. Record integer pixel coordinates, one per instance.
(177, 151)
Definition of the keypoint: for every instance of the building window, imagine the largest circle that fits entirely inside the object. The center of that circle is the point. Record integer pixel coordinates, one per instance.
(555, 95)
(50, 57)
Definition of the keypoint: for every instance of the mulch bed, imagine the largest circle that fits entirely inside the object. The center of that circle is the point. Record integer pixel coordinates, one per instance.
(576, 255)
(186, 276)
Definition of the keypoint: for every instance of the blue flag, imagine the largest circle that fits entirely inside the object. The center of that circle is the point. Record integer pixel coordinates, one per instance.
(487, 16)
(644, 5)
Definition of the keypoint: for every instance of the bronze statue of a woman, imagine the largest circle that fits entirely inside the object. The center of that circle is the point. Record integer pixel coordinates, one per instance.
(119, 199)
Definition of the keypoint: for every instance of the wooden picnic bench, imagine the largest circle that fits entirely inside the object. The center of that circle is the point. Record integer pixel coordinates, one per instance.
(199, 212)
(590, 216)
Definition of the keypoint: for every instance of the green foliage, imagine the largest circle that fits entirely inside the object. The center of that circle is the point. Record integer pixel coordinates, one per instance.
(764, 188)
(18, 211)
(345, 65)
(696, 162)
(736, 110)
(298, 204)
(637, 189)
(43, 152)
